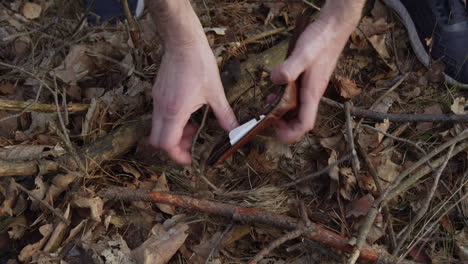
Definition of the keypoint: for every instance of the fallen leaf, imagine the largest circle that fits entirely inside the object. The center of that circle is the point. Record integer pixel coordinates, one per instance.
(39, 191)
(17, 227)
(336, 143)
(348, 88)
(31, 10)
(259, 162)
(22, 46)
(217, 30)
(95, 204)
(58, 234)
(366, 182)
(379, 11)
(22, 152)
(161, 185)
(275, 8)
(432, 109)
(76, 66)
(369, 27)
(334, 171)
(161, 245)
(378, 43)
(360, 207)
(348, 182)
(7, 88)
(9, 193)
(384, 127)
(276, 150)
(384, 105)
(130, 170)
(8, 126)
(28, 251)
(40, 123)
(459, 105)
(387, 170)
(114, 250)
(461, 244)
(59, 184)
(420, 255)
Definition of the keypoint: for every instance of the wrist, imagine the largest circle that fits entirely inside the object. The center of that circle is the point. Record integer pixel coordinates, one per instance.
(177, 23)
(342, 15)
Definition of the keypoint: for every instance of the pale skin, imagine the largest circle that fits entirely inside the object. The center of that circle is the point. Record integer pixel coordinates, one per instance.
(188, 77)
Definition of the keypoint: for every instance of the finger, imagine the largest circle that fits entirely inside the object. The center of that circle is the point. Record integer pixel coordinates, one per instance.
(170, 136)
(223, 112)
(293, 130)
(291, 68)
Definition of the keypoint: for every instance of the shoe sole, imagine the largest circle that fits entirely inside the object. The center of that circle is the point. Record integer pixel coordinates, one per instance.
(416, 43)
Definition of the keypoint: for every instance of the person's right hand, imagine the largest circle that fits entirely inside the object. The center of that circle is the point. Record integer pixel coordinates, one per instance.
(187, 79)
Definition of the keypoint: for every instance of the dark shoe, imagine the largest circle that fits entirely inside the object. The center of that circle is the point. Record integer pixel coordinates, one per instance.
(437, 29)
(112, 10)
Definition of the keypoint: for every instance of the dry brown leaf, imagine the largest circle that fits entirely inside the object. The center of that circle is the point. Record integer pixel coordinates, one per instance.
(336, 143)
(95, 204)
(387, 170)
(28, 251)
(378, 43)
(31, 10)
(17, 227)
(275, 8)
(334, 171)
(22, 45)
(384, 127)
(275, 150)
(162, 186)
(348, 183)
(369, 27)
(348, 88)
(459, 105)
(22, 152)
(360, 207)
(59, 184)
(366, 182)
(259, 162)
(461, 243)
(161, 245)
(7, 88)
(76, 66)
(8, 126)
(10, 193)
(39, 191)
(57, 236)
(130, 170)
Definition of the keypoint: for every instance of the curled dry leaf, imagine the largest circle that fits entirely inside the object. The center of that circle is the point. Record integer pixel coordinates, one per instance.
(387, 170)
(28, 251)
(360, 207)
(161, 245)
(7, 88)
(10, 193)
(59, 184)
(39, 191)
(217, 30)
(334, 171)
(348, 88)
(95, 204)
(384, 127)
(31, 10)
(459, 105)
(161, 185)
(59, 233)
(275, 150)
(17, 227)
(76, 66)
(348, 182)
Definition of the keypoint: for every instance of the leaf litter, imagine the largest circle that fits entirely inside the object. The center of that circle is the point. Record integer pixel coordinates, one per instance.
(99, 65)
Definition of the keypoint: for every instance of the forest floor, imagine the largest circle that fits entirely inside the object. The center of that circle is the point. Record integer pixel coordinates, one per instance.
(399, 193)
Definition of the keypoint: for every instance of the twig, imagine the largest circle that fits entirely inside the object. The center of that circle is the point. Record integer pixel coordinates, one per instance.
(318, 173)
(394, 188)
(406, 141)
(197, 134)
(405, 232)
(13, 105)
(399, 117)
(276, 243)
(378, 185)
(39, 91)
(349, 131)
(432, 226)
(218, 242)
(250, 216)
(387, 141)
(48, 206)
(26, 168)
(311, 5)
(132, 24)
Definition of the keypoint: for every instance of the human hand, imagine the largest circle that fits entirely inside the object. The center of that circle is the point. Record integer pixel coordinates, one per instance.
(314, 56)
(187, 79)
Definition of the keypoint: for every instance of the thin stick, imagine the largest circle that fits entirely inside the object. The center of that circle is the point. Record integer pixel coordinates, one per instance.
(356, 111)
(26, 107)
(387, 141)
(405, 232)
(318, 173)
(218, 242)
(13, 105)
(311, 5)
(394, 187)
(276, 243)
(406, 141)
(250, 216)
(349, 131)
(48, 206)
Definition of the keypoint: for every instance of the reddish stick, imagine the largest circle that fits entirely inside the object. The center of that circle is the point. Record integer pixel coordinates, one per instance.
(252, 216)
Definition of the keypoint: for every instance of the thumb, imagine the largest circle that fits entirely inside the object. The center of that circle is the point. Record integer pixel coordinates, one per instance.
(289, 70)
(223, 112)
